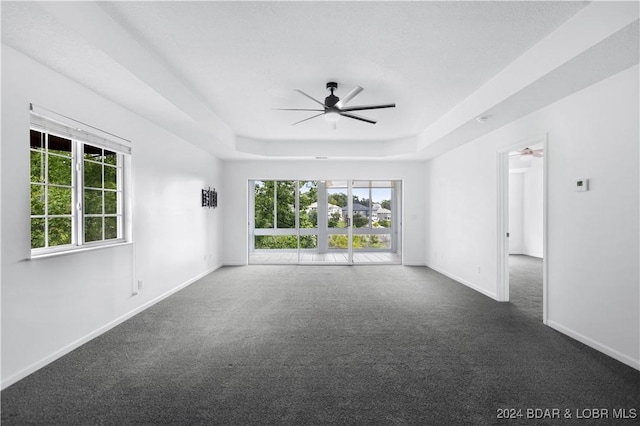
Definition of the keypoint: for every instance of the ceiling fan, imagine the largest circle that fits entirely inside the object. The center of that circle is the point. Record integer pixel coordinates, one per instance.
(333, 107)
(528, 153)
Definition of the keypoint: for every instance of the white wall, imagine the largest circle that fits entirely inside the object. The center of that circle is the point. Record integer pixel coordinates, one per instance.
(593, 276)
(50, 306)
(238, 173)
(532, 209)
(526, 210)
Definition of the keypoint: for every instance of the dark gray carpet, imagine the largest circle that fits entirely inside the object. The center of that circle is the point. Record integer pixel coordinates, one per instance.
(306, 345)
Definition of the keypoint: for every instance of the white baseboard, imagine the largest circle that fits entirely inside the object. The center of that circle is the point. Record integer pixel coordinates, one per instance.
(76, 344)
(634, 363)
(467, 283)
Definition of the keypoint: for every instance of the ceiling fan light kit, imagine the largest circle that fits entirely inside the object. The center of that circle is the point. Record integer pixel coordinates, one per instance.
(333, 107)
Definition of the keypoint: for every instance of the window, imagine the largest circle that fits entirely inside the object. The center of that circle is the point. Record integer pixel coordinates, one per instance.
(324, 221)
(77, 188)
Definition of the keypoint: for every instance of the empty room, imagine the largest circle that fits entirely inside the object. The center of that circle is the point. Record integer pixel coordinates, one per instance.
(389, 212)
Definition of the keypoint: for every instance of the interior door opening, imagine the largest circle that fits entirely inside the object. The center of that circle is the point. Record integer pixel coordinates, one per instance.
(325, 221)
(522, 227)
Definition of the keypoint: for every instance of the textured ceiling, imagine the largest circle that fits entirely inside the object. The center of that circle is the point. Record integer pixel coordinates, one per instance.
(246, 58)
(222, 68)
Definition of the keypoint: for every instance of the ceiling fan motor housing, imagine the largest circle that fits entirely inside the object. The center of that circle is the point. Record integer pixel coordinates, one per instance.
(331, 100)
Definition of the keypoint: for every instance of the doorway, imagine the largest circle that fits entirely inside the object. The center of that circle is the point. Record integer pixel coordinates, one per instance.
(342, 222)
(522, 226)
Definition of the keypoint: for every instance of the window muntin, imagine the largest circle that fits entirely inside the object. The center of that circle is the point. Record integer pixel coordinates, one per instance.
(77, 193)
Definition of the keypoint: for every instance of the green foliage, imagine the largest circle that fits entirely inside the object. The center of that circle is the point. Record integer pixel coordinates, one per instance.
(52, 193)
(360, 220)
(386, 204)
(308, 218)
(384, 223)
(286, 204)
(276, 242)
(263, 195)
(338, 199)
(336, 241)
(335, 221)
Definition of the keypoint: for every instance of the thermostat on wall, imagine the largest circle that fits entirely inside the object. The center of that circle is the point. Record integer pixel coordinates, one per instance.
(582, 185)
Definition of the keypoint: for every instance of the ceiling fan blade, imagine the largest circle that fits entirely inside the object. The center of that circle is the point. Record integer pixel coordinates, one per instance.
(364, 107)
(313, 99)
(357, 117)
(352, 94)
(296, 109)
(313, 116)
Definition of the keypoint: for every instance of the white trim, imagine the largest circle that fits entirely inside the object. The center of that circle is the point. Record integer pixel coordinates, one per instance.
(62, 126)
(101, 330)
(634, 363)
(465, 282)
(79, 249)
(502, 273)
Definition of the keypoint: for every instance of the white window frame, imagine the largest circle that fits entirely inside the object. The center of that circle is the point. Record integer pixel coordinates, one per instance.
(80, 137)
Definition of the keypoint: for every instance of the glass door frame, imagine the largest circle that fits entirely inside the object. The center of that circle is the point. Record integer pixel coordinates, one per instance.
(323, 253)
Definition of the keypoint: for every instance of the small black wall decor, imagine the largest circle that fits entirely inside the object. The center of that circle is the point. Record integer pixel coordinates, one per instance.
(209, 198)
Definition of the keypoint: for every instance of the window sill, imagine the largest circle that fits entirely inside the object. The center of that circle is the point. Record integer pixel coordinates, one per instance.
(77, 250)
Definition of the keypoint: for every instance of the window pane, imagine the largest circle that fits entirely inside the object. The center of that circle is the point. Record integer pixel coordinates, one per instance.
(37, 233)
(110, 228)
(92, 153)
(110, 202)
(37, 166)
(92, 201)
(337, 207)
(37, 200)
(59, 170)
(308, 204)
(59, 231)
(36, 140)
(361, 205)
(60, 146)
(276, 242)
(263, 191)
(110, 157)
(110, 177)
(59, 200)
(92, 229)
(286, 211)
(92, 175)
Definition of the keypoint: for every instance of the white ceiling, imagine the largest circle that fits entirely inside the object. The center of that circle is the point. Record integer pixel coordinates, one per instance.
(214, 72)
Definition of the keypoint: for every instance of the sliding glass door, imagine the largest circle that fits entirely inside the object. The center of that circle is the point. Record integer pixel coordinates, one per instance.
(324, 222)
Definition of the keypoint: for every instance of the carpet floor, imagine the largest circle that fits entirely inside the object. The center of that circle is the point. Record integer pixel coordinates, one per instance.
(317, 345)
